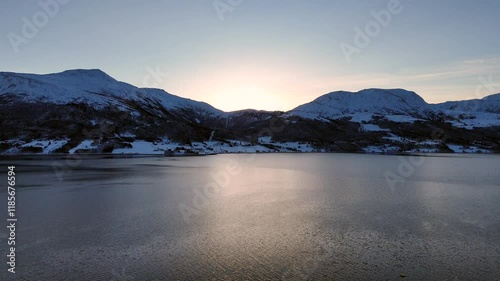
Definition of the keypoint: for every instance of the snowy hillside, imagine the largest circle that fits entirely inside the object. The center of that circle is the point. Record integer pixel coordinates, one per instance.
(468, 114)
(401, 106)
(489, 104)
(371, 101)
(93, 87)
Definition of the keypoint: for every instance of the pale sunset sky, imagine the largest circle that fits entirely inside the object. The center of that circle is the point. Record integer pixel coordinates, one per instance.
(272, 55)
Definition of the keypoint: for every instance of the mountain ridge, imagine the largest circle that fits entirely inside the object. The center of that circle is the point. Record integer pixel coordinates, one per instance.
(76, 108)
(97, 73)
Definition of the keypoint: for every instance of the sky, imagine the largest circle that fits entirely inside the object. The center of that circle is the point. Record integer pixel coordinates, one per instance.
(269, 55)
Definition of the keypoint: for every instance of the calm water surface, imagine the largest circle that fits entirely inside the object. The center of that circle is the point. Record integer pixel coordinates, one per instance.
(257, 217)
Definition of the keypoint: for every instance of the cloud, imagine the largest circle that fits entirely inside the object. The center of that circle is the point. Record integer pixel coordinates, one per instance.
(460, 77)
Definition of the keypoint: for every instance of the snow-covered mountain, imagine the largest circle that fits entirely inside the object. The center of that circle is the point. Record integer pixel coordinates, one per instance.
(92, 87)
(89, 111)
(399, 105)
(483, 112)
(370, 101)
(489, 104)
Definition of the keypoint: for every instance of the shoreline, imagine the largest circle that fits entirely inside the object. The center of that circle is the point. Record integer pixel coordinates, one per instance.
(35, 156)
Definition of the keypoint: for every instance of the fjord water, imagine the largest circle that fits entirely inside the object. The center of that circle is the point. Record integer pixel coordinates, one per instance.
(257, 217)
